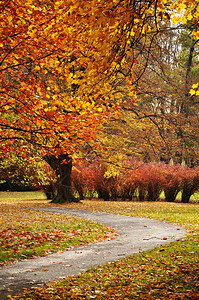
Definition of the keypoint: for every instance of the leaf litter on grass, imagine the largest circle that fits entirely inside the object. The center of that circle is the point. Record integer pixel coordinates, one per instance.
(27, 233)
(169, 271)
(148, 275)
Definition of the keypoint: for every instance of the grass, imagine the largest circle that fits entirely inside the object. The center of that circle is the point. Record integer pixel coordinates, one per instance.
(26, 233)
(18, 196)
(186, 215)
(170, 271)
(194, 197)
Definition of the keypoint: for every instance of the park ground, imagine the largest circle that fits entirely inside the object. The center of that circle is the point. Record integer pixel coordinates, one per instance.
(170, 270)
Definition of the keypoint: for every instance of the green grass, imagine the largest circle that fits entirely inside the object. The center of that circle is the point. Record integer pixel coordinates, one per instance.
(167, 272)
(194, 197)
(23, 242)
(26, 233)
(39, 195)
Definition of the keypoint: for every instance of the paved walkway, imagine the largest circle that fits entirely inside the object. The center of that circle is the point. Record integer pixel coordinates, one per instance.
(135, 235)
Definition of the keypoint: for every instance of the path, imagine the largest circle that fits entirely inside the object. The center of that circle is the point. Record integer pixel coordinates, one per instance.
(135, 235)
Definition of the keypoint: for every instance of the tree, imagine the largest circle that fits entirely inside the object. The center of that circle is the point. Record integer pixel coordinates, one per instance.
(163, 125)
(89, 46)
(26, 173)
(165, 98)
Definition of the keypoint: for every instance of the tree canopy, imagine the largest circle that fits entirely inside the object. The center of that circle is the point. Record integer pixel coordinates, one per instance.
(52, 49)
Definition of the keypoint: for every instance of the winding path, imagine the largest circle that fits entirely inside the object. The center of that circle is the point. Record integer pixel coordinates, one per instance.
(135, 235)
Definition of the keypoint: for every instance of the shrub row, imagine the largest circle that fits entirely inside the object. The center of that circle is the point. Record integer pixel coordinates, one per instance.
(136, 179)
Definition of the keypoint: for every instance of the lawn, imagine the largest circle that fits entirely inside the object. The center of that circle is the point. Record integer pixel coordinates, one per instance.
(167, 272)
(26, 233)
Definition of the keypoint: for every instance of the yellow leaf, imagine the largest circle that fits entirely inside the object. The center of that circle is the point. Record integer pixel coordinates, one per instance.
(189, 17)
(9, 18)
(195, 86)
(183, 20)
(182, 6)
(175, 20)
(132, 93)
(192, 92)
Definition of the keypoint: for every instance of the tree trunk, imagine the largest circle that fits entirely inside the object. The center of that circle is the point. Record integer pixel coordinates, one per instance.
(186, 195)
(170, 194)
(142, 194)
(62, 165)
(103, 194)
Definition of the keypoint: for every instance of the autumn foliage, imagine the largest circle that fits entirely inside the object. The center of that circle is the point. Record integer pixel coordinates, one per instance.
(28, 173)
(173, 183)
(189, 183)
(137, 181)
(59, 65)
(66, 67)
(82, 179)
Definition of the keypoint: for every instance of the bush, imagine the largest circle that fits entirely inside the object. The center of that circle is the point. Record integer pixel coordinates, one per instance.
(173, 184)
(150, 179)
(82, 179)
(128, 180)
(24, 174)
(189, 182)
(106, 186)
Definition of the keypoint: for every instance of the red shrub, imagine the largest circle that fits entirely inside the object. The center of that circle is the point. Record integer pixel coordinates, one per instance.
(82, 179)
(128, 180)
(189, 182)
(151, 179)
(106, 187)
(172, 186)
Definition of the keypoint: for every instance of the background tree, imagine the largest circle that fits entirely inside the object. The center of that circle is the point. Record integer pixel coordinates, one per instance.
(163, 123)
(165, 97)
(26, 173)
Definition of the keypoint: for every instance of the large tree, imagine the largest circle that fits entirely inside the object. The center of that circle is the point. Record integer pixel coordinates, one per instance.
(63, 66)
